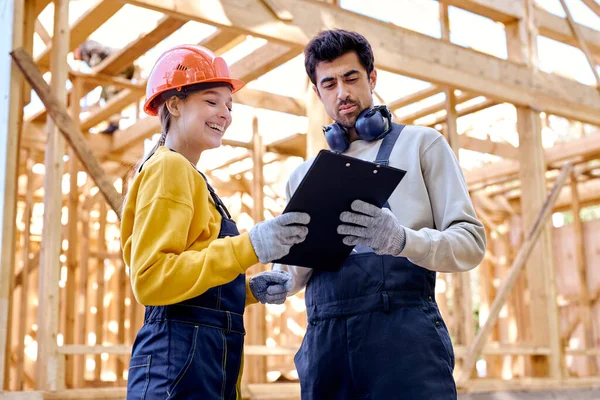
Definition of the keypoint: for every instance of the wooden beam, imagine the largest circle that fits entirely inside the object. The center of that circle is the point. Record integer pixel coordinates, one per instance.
(72, 238)
(557, 28)
(294, 145)
(549, 25)
(87, 24)
(123, 58)
(581, 41)
(256, 315)
(135, 134)
(270, 101)
(586, 147)
(49, 366)
(42, 32)
(11, 19)
(488, 146)
(585, 305)
(82, 285)
(593, 5)
(26, 246)
(40, 5)
(515, 270)
(540, 268)
(401, 51)
(222, 40)
(100, 282)
(29, 28)
(263, 60)
(120, 349)
(414, 97)
(123, 99)
(434, 108)
(69, 128)
(473, 108)
(498, 10)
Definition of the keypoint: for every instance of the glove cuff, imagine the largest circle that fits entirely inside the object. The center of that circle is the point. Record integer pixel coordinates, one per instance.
(399, 241)
(258, 244)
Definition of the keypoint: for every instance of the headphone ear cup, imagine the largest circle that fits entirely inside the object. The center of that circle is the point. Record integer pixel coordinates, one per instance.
(373, 123)
(336, 137)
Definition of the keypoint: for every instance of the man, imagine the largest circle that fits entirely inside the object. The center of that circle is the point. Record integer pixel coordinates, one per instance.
(93, 53)
(374, 329)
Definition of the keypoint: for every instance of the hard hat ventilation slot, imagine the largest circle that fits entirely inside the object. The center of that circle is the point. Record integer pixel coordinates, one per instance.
(181, 67)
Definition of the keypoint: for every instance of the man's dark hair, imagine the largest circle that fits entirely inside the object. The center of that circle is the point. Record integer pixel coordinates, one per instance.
(331, 44)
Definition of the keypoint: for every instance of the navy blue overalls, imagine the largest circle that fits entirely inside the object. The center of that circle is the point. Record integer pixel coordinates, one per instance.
(374, 328)
(193, 349)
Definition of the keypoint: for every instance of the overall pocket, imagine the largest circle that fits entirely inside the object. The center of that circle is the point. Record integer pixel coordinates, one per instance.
(177, 352)
(138, 377)
(435, 319)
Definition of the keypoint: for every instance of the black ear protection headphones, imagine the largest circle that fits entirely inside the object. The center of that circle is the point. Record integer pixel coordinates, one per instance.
(371, 124)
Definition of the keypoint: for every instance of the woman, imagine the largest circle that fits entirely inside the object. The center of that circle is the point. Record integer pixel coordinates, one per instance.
(186, 255)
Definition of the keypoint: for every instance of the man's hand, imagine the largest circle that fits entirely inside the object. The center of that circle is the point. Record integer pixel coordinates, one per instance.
(373, 227)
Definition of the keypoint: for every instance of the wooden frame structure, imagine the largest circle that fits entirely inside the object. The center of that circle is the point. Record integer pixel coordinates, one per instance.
(82, 316)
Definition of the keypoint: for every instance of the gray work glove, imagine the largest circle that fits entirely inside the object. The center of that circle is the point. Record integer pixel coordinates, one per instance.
(377, 228)
(271, 287)
(273, 239)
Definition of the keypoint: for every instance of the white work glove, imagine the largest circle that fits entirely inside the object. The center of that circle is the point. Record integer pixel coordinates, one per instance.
(271, 287)
(273, 239)
(377, 228)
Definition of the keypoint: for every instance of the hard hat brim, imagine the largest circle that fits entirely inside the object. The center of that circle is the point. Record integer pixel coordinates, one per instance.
(236, 85)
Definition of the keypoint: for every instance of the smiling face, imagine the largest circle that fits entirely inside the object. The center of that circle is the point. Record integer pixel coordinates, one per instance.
(201, 119)
(344, 88)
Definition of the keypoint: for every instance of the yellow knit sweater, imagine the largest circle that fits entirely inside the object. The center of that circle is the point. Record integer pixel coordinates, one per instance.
(169, 235)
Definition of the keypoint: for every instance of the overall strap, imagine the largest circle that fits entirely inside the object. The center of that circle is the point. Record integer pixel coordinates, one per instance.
(387, 144)
(383, 158)
(218, 202)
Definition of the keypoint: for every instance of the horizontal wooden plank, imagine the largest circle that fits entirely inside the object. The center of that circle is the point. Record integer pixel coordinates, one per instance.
(585, 147)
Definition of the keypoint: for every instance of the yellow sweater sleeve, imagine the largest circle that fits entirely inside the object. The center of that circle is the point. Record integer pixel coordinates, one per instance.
(170, 241)
(250, 299)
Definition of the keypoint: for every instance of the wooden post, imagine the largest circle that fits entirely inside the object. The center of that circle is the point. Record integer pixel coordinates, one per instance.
(317, 118)
(29, 28)
(27, 212)
(524, 253)
(72, 237)
(100, 257)
(463, 301)
(11, 112)
(49, 366)
(82, 289)
(521, 41)
(258, 326)
(122, 284)
(585, 300)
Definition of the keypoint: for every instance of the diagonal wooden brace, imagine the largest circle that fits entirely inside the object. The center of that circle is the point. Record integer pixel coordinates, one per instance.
(69, 128)
(516, 268)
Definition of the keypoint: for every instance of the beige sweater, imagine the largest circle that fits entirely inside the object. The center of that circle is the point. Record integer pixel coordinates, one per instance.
(432, 203)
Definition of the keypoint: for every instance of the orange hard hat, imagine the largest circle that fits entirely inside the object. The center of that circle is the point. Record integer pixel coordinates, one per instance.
(183, 66)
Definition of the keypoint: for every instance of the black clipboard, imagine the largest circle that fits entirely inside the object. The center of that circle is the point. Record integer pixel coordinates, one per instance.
(329, 187)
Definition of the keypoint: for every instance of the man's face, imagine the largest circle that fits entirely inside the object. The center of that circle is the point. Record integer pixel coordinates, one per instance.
(344, 88)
